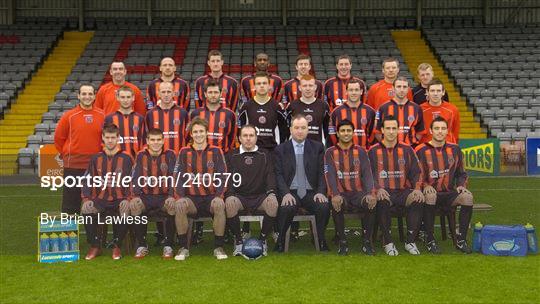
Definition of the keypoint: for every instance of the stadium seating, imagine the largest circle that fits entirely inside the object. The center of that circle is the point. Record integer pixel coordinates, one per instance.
(496, 68)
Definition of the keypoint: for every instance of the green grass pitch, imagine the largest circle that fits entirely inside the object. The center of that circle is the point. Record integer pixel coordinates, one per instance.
(299, 276)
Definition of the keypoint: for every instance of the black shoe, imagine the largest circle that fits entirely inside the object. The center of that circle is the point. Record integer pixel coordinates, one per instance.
(463, 247)
(294, 236)
(279, 247)
(367, 248)
(343, 248)
(159, 239)
(422, 237)
(433, 247)
(323, 246)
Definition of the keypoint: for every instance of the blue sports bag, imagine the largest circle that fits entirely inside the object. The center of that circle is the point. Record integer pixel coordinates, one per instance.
(504, 240)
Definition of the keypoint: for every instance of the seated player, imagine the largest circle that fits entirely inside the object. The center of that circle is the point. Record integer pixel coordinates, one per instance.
(110, 200)
(445, 180)
(257, 188)
(350, 183)
(397, 180)
(158, 164)
(200, 187)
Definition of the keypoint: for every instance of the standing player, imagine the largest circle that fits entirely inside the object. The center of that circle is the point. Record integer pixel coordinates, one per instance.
(397, 180)
(154, 163)
(256, 192)
(300, 181)
(167, 67)
(228, 85)
(315, 110)
(383, 90)
(106, 95)
(360, 114)
(425, 75)
(169, 118)
(290, 90)
(435, 107)
(265, 114)
(350, 184)
(445, 182)
(201, 187)
(335, 88)
(221, 121)
(129, 123)
(262, 62)
(110, 199)
(77, 138)
(408, 114)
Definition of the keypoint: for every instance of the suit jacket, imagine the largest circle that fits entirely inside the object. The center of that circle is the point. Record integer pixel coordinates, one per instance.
(285, 166)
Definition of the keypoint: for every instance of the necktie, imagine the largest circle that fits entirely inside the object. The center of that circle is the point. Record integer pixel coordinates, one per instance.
(300, 174)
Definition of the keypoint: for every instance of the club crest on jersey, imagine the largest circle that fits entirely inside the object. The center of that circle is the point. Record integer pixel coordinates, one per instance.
(338, 101)
(135, 128)
(164, 167)
(262, 119)
(120, 139)
(88, 118)
(410, 118)
(210, 164)
(391, 93)
(383, 174)
(401, 161)
(176, 122)
(451, 160)
(356, 162)
(221, 124)
(433, 174)
(309, 118)
(248, 160)
(339, 174)
(363, 121)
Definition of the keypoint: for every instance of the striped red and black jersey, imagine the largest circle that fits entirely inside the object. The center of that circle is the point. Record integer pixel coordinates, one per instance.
(265, 117)
(317, 114)
(335, 91)
(173, 122)
(410, 120)
(363, 119)
(180, 91)
(110, 171)
(221, 127)
(394, 168)
(347, 170)
(160, 167)
(195, 172)
(442, 167)
(229, 91)
(132, 131)
(292, 92)
(248, 87)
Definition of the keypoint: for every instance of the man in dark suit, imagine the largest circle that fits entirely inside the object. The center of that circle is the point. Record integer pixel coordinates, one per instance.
(300, 181)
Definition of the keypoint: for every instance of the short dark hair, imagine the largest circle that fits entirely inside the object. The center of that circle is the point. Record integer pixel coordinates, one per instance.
(303, 57)
(197, 121)
(435, 81)
(345, 122)
(125, 88)
(390, 118)
(248, 126)
(87, 85)
(344, 56)
(438, 119)
(400, 78)
(389, 59)
(355, 80)
(211, 83)
(214, 53)
(110, 128)
(259, 74)
(154, 131)
(298, 116)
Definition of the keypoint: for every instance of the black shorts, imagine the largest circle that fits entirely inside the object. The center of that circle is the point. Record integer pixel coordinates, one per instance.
(104, 206)
(154, 202)
(354, 201)
(202, 204)
(445, 199)
(250, 203)
(398, 198)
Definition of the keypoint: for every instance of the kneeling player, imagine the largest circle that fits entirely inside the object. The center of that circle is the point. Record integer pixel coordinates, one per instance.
(350, 183)
(395, 170)
(257, 187)
(445, 182)
(154, 165)
(200, 187)
(111, 200)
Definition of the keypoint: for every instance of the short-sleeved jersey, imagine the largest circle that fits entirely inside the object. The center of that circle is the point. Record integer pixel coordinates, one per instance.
(221, 126)
(229, 91)
(447, 111)
(363, 119)
(265, 117)
(180, 90)
(394, 168)
(410, 120)
(132, 131)
(442, 167)
(381, 92)
(317, 115)
(292, 92)
(173, 122)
